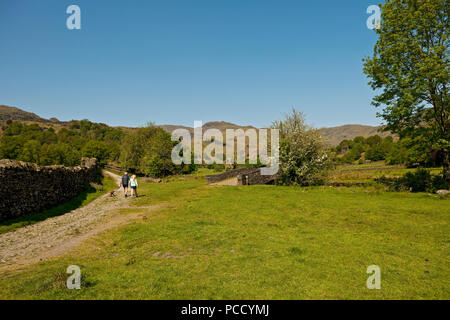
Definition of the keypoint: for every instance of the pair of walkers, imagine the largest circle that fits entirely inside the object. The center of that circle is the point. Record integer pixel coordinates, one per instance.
(126, 182)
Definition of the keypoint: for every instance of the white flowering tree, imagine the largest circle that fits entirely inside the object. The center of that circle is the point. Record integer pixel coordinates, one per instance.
(304, 158)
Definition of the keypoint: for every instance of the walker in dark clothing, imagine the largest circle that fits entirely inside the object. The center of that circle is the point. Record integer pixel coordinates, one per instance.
(125, 183)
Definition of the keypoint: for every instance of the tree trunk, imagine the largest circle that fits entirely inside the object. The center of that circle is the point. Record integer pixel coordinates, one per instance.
(446, 165)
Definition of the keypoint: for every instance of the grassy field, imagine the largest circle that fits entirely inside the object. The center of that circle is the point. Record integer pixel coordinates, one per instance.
(257, 242)
(366, 173)
(93, 192)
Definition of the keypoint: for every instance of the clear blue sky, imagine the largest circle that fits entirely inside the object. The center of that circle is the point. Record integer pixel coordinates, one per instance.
(247, 62)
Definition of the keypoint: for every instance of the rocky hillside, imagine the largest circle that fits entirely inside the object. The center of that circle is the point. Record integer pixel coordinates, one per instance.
(16, 114)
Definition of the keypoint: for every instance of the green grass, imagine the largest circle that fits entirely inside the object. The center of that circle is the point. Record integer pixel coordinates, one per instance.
(257, 242)
(92, 193)
(368, 172)
(376, 164)
(205, 171)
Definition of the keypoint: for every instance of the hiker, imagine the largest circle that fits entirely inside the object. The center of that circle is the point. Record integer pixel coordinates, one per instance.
(125, 183)
(133, 185)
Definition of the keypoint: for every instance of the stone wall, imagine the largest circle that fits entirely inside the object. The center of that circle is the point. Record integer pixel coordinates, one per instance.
(245, 176)
(255, 178)
(28, 188)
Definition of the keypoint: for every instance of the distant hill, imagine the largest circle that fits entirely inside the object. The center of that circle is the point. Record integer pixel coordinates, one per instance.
(333, 136)
(171, 127)
(16, 114)
(221, 125)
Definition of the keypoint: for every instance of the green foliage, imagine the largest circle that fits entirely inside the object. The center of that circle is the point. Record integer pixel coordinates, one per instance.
(60, 153)
(375, 153)
(304, 158)
(398, 155)
(43, 146)
(439, 183)
(145, 150)
(31, 151)
(96, 149)
(420, 180)
(375, 140)
(410, 68)
(378, 148)
(148, 151)
(351, 156)
(374, 147)
(413, 152)
(156, 166)
(216, 167)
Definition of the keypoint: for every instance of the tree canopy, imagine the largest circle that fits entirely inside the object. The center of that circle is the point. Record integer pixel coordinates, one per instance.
(409, 70)
(143, 150)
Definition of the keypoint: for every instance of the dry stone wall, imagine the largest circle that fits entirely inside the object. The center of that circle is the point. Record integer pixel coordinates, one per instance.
(28, 188)
(245, 176)
(255, 178)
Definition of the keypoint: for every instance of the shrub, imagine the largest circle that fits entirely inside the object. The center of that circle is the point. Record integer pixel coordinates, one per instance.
(420, 180)
(393, 184)
(304, 158)
(439, 183)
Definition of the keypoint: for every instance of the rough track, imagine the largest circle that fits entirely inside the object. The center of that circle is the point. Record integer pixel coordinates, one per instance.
(228, 182)
(59, 234)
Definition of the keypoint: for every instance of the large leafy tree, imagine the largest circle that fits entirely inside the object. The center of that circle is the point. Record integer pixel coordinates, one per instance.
(409, 70)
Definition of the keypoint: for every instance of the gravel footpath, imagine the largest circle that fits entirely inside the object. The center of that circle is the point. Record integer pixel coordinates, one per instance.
(56, 235)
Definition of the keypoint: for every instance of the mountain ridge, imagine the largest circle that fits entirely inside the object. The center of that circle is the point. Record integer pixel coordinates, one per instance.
(16, 114)
(332, 135)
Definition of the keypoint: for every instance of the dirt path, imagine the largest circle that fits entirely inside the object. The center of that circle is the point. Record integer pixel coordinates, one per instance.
(54, 236)
(228, 182)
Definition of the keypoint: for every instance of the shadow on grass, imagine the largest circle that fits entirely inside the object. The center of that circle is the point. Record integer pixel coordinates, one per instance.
(90, 194)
